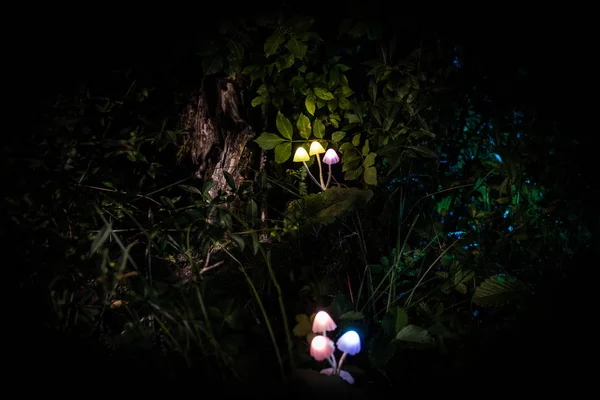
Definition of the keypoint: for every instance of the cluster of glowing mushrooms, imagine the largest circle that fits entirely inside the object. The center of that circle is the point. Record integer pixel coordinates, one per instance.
(316, 149)
(322, 348)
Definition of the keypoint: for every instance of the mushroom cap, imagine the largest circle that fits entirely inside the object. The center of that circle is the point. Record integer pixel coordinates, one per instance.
(321, 347)
(301, 155)
(323, 322)
(349, 343)
(316, 148)
(331, 157)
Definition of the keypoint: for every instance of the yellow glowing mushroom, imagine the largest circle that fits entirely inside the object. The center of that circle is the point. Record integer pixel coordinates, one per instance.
(301, 155)
(316, 148)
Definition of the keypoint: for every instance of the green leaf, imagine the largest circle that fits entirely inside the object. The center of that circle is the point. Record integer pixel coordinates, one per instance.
(272, 43)
(212, 65)
(332, 105)
(256, 101)
(318, 129)
(229, 179)
(310, 103)
(343, 103)
(303, 325)
(424, 151)
(414, 334)
(394, 321)
(191, 189)
(337, 136)
(498, 290)
(366, 149)
(373, 90)
(356, 139)
(268, 141)
(370, 176)
(297, 48)
(239, 241)
(369, 160)
(252, 212)
(236, 49)
(255, 243)
(284, 62)
(323, 94)
(352, 316)
(303, 125)
(354, 174)
(353, 118)
(284, 126)
(283, 152)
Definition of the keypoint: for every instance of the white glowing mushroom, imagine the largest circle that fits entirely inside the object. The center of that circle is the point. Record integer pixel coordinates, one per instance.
(316, 149)
(349, 343)
(322, 348)
(330, 158)
(323, 323)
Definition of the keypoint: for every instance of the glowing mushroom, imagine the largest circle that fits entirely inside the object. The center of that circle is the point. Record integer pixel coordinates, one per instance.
(349, 343)
(323, 323)
(315, 150)
(322, 348)
(330, 158)
(302, 156)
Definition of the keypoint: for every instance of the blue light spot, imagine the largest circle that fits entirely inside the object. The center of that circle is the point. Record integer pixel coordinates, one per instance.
(506, 213)
(510, 228)
(498, 157)
(475, 314)
(458, 234)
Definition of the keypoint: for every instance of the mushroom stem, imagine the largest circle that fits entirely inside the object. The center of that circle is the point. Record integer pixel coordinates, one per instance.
(341, 362)
(320, 172)
(328, 177)
(311, 175)
(331, 360)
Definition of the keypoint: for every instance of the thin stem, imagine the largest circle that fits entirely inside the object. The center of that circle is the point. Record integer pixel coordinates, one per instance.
(311, 175)
(320, 172)
(328, 177)
(339, 368)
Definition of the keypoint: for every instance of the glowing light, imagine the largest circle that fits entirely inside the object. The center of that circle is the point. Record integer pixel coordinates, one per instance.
(321, 347)
(349, 343)
(316, 148)
(301, 155)
(323, 322)
(331, 157)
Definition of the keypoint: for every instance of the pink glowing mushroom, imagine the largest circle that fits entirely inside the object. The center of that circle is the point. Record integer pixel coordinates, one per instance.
(323, 323)
(321, 348)
(330, 158)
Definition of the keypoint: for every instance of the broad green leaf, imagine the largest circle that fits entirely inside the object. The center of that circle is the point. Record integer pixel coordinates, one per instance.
(354, 174)
(344, 91)
(498, 290)
(394, 321)
(311, 103)
(283, 152)
(323, 94)
(353, 118)
(297, 48)
(255, 243)
(332, 105)
(366, 149)
(239, 241)
(303, 325)
(236, 48)
(352, 316)
(373, 90)
(424, 151)
(414, 334)
(370, 176)
(343, 103)
(356, 139)
(256, 101)
(303, 125)
(318, 129)
(190, 189)
(272, 43)
(229, 179)
(369, 160)
(268, 141)
(252, 212)
(337, 136)
(284, 126)
(284, 62)
(212, 65)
